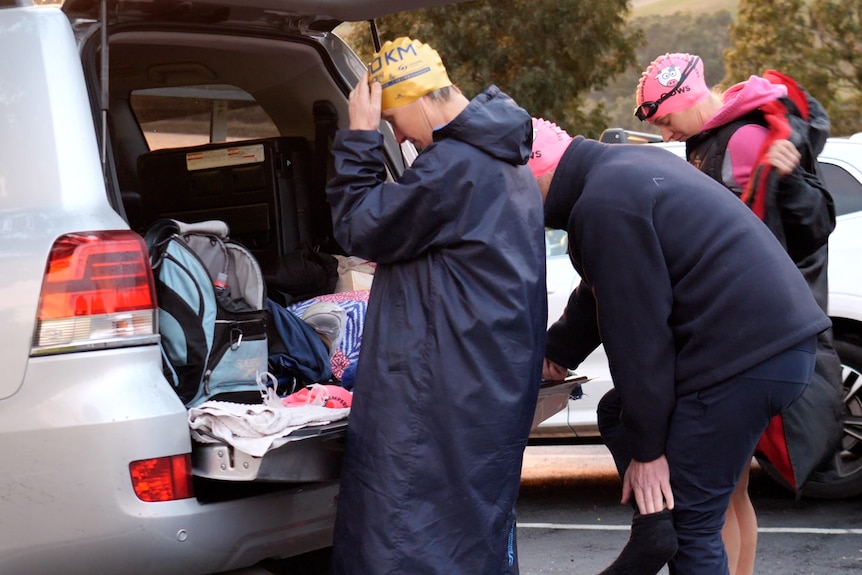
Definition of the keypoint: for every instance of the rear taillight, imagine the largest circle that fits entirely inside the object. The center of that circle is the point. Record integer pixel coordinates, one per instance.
(98, 292)
(162, 478)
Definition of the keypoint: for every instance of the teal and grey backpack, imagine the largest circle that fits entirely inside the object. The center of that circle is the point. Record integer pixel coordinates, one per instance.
(212, 312)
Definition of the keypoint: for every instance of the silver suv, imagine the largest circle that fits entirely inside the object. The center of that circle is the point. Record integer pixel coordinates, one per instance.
(100, 472)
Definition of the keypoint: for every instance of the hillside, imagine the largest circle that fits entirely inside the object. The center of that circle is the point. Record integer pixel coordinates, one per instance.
(667, 7)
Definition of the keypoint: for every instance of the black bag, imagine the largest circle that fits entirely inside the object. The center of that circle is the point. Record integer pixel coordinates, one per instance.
(300, 275)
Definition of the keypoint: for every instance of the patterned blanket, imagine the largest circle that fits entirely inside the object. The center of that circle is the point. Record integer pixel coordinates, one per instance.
(354, 304)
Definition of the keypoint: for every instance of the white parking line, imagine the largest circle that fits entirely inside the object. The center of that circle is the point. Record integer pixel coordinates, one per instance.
(577, 527)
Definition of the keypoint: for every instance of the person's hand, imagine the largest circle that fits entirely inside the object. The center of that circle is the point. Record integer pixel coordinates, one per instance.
(364, 105)
(783, 156)
(553, 371)
(650, 484)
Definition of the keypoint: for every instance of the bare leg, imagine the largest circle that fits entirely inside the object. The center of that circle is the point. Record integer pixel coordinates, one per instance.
(740, 529)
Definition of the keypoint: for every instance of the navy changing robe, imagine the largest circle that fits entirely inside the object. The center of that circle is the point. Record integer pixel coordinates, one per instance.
(448, 376)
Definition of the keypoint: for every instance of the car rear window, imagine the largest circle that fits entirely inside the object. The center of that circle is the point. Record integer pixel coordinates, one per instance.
(195, 115)
(845, 189)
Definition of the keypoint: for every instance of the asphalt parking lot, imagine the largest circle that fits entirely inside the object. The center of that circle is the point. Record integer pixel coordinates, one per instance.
(570, 520)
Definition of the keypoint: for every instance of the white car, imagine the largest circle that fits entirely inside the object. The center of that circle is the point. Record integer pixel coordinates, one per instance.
(841, 163)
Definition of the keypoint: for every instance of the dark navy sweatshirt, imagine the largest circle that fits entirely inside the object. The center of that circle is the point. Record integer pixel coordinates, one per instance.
(680, 281)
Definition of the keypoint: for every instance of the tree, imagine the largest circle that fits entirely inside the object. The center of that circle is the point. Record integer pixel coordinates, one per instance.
(704, 34)
(817, 43)
(839, 61)
(769, 34)
(547, 54)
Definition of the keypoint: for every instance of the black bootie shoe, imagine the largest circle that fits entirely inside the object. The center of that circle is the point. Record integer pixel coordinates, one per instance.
(651, 545)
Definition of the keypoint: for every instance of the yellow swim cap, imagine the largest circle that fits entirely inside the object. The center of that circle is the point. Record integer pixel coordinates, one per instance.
(407, 70)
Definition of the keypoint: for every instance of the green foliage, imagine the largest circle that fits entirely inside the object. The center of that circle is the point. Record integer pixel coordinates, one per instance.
(546, 54)
(704, 34)
(815, 42)
(577, 62)
(836, 73)
(769, 34)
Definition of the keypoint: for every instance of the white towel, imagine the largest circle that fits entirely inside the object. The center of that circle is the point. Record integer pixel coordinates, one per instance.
(252, 428)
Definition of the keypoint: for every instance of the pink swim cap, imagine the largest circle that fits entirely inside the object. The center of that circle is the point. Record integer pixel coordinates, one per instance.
(549, 143)
(662, 77)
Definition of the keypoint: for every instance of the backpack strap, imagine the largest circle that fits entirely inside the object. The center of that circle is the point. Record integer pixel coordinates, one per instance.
(706, 150)
(215, 228)
(157, 236)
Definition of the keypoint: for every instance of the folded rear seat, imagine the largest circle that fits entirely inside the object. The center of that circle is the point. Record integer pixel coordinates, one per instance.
(261, 188)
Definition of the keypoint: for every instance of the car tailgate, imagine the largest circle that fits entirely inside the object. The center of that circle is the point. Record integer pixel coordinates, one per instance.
(314, 453)
(309, 454)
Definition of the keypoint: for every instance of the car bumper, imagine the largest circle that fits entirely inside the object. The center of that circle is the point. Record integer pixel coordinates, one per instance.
(66, 440)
